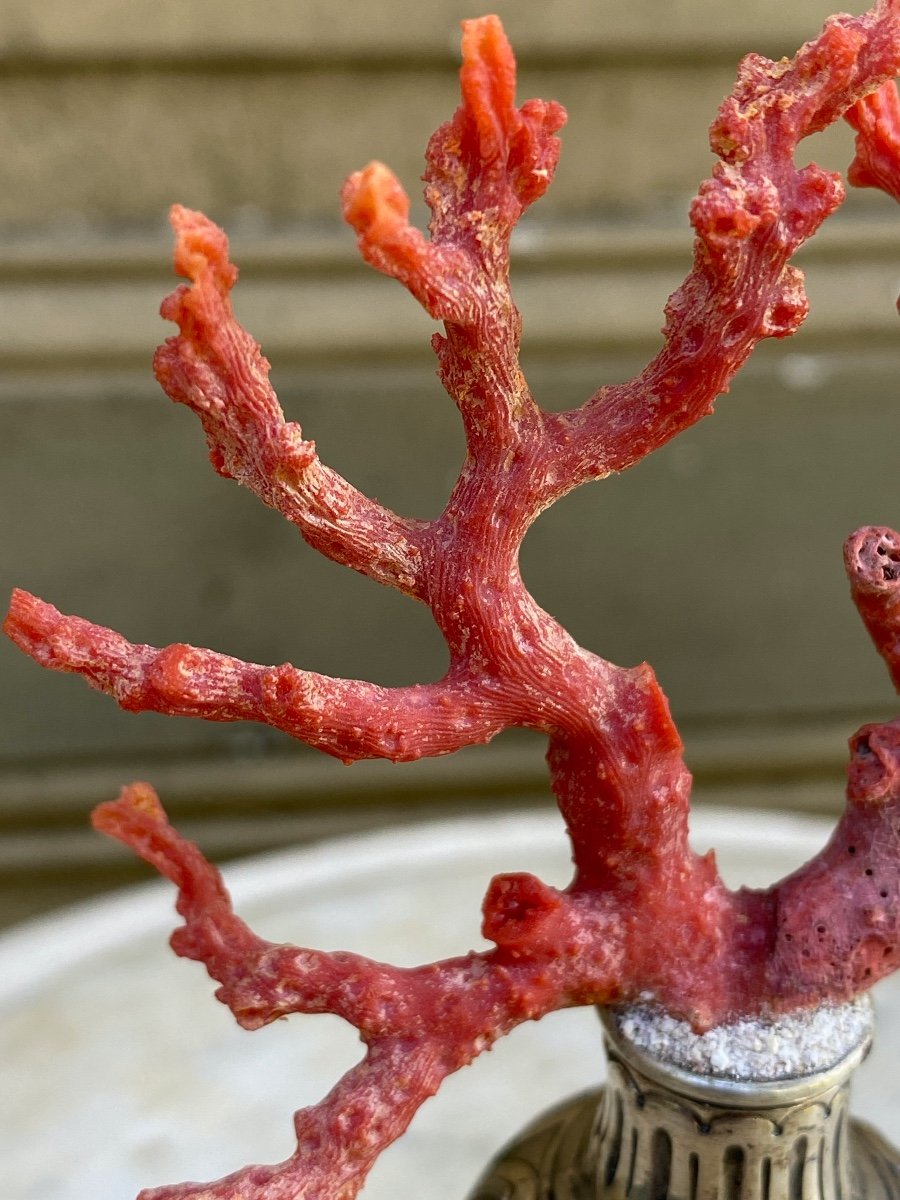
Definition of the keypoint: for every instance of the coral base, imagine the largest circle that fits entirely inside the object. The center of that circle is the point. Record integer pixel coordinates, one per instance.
(659, 1133)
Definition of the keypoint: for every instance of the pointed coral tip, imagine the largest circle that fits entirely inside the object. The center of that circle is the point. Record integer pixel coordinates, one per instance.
(876, 119)
(29, 623)
(114, 817)
(488, 80)
(201, 246)
(373, 200)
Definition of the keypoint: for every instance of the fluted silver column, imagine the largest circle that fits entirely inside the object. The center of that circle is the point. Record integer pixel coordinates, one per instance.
(661, 1131)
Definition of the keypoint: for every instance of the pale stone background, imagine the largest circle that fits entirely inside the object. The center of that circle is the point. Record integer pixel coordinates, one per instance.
(718, 560)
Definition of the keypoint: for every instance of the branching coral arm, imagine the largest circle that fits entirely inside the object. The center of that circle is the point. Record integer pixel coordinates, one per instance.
(485, 167)
(215, 368)
(644, 915)
(419, 1025)
(339, 1139)
(837, 919)
(348, 718)
(260, 981)
(750, 218)
(704, 952)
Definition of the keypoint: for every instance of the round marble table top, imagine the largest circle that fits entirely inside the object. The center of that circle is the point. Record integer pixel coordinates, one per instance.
(121, 1071)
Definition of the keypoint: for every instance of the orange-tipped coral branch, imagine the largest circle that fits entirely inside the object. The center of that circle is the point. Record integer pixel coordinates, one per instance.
(644, 916)
(750, 218)
(216, 368)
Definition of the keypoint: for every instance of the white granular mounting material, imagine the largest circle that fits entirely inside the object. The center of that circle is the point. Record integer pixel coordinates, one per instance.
(759, 1050)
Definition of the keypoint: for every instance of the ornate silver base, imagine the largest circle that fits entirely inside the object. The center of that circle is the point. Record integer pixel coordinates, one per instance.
(659, 1132)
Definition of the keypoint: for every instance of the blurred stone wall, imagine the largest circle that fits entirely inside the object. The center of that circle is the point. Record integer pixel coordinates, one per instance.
(718, 559)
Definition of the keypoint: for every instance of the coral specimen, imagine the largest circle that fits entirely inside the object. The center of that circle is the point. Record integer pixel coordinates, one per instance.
(644, 916)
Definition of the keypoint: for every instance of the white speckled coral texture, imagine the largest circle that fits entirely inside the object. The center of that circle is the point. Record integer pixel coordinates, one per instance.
(120, 1070)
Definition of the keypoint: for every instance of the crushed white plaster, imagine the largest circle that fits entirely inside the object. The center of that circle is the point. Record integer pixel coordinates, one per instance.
(758, 1050)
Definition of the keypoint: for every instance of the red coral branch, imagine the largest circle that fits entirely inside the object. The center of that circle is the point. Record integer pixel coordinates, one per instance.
(876, 119)
(670, 929)
(216, 368)
(442, 278)
(348, 718)
(643, 915)
(838, 918)
(485, 167)
(750, 218)
(872, 560)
